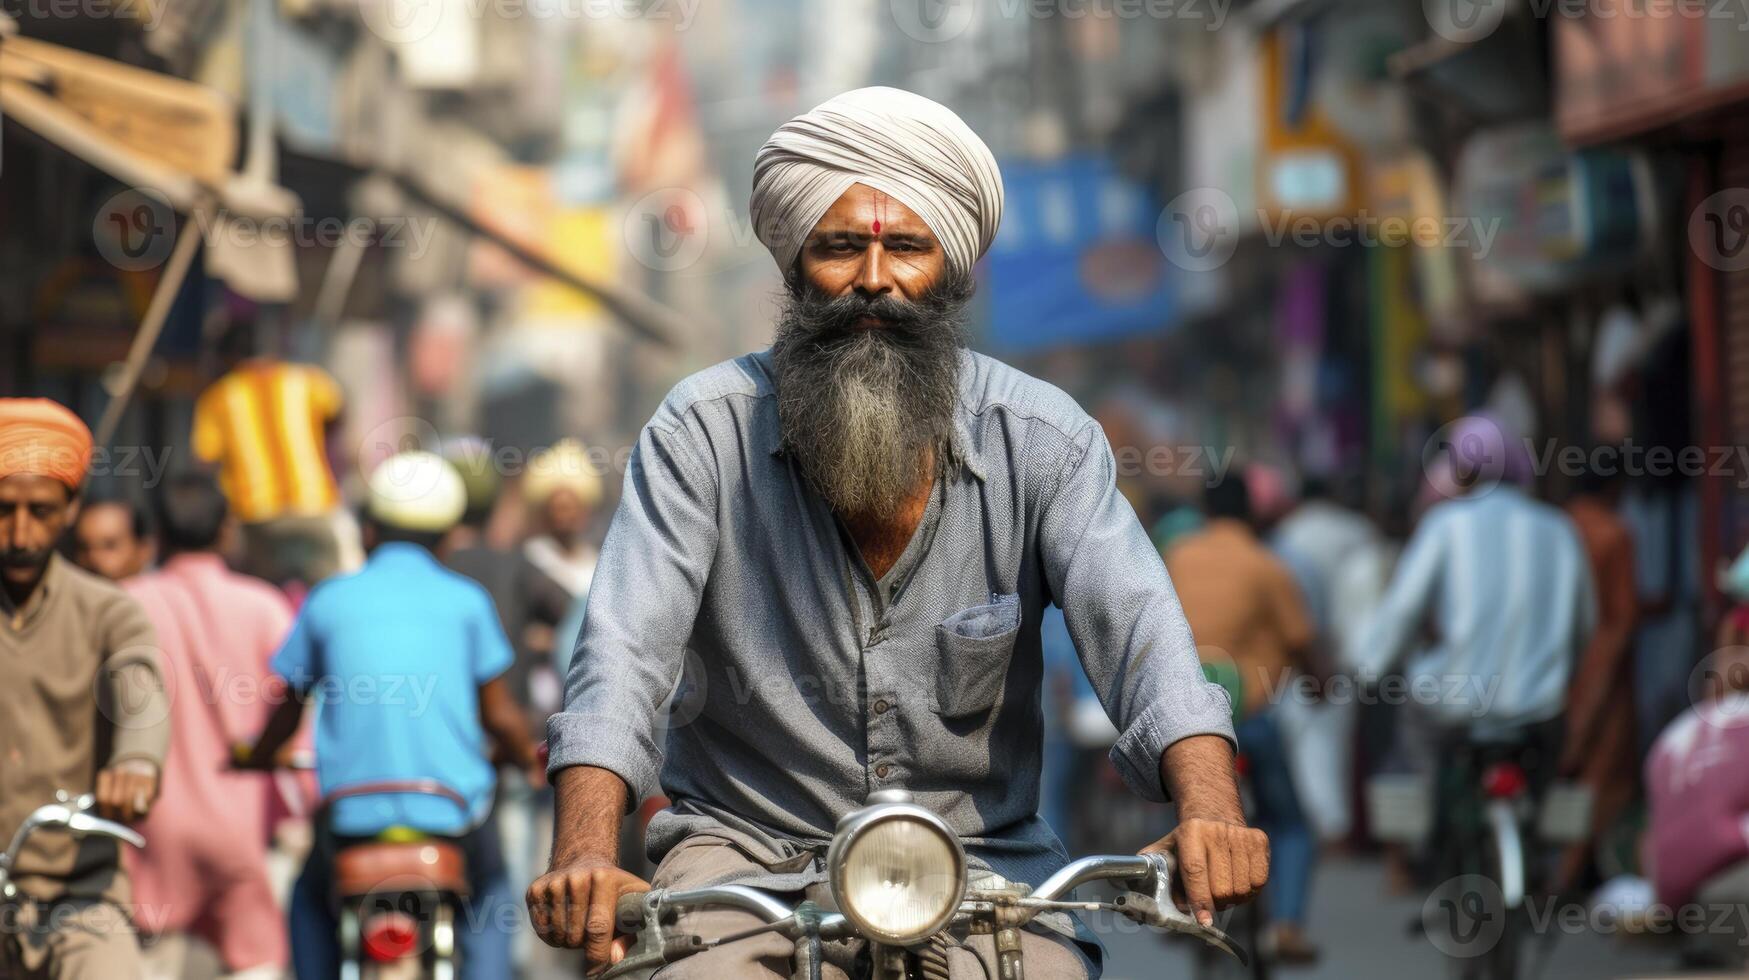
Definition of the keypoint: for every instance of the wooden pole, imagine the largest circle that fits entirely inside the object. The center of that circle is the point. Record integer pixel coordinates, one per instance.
(157, 312)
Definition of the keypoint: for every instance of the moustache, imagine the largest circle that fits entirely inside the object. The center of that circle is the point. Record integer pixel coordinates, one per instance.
(23, 557)
(843, 315)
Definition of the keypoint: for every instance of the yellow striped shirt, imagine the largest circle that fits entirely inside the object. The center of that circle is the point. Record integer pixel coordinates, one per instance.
(263, 425)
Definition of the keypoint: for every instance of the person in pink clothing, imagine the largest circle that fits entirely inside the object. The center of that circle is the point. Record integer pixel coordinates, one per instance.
(204, 871)
(1697, 843)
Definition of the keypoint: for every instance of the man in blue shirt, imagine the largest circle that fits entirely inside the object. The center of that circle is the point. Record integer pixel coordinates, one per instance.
(405, 661)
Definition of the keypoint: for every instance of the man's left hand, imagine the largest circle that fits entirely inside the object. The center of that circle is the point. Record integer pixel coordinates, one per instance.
(1220, 863)
(127, 790)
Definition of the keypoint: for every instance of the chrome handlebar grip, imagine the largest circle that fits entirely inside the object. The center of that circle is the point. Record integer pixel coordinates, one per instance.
(1129, 867)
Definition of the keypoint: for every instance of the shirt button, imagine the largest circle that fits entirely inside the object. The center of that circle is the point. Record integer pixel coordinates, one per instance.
(882, 770)
(881, 707)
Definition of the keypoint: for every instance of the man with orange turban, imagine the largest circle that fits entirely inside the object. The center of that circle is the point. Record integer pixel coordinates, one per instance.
(105, 730)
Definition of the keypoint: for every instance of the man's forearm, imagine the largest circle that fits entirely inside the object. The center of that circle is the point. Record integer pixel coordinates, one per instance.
(1198, 774)
(589, 805)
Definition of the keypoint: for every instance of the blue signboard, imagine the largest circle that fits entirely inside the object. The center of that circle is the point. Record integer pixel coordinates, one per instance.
(1076, 260)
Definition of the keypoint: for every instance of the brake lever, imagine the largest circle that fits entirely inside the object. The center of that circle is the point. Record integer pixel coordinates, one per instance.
(1160, 911)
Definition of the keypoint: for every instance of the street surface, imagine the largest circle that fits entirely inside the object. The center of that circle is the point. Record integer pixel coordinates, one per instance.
(1364, 936)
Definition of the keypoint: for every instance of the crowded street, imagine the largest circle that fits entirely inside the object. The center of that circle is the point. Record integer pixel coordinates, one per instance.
(874, 489)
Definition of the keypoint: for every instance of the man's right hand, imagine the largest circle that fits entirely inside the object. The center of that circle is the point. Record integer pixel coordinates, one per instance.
(572, 907)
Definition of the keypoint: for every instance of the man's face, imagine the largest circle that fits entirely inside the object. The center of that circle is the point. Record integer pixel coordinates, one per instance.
(104, 542)
(34, 512)
(867, 243)
(566, 516)
(867, 354)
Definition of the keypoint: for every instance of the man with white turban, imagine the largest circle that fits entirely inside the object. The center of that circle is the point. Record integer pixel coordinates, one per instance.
(827, 570)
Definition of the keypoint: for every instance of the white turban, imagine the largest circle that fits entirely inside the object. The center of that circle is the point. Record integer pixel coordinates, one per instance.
(899, 143)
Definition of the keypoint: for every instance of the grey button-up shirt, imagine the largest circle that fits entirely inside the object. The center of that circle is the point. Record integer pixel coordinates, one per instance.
(800, 683)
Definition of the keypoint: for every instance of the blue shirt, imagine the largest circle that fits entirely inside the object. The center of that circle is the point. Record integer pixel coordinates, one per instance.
(393, 658)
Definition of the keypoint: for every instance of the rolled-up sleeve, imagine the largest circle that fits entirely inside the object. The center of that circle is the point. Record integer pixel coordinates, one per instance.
(1125, 617)
(643, 601)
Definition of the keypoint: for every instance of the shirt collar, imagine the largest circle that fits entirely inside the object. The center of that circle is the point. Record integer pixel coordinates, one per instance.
(400, 552)
(197, 562)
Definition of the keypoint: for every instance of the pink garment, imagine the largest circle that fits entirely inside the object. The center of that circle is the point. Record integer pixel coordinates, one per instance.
(1698, 787)
(204, 866)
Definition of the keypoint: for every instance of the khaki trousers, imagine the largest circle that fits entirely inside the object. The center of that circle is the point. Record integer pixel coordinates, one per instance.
(703, 860)
(88, 940)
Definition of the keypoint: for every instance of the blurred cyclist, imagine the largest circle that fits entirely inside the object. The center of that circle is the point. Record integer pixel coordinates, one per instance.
(85, 711)
(406, 659)
(1504, 584)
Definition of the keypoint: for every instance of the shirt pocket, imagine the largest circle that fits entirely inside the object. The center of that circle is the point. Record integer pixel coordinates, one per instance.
(976, 645)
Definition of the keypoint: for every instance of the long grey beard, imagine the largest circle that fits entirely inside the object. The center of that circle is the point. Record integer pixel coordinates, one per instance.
(863, 411)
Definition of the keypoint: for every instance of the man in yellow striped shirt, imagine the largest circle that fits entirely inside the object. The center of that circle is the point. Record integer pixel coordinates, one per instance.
(265, 425)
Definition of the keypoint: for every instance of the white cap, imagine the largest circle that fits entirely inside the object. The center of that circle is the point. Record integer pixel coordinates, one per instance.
(416, 491)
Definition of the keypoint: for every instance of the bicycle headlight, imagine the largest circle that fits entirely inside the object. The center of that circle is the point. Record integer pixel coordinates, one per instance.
(897, 872)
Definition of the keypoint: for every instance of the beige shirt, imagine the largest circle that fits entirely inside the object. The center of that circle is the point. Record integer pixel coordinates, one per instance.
(80, 690)
(1242, 604)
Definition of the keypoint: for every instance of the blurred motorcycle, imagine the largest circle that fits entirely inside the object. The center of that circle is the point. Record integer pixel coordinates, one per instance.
(899, 880)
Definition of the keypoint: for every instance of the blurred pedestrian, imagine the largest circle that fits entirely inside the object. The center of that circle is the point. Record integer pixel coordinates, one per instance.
(407, 621)
(111, 538)
(1600, 750)
(265, 424)
(562, 490)
(1331, 548)
(204, 872)
(524, 815)
(1245, 608)
(85, 712)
